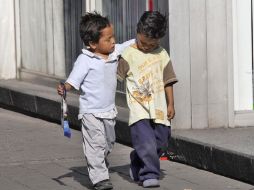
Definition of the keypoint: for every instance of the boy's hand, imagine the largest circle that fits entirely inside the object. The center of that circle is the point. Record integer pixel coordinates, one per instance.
(60, 89)
(63, 87)
(171, 112)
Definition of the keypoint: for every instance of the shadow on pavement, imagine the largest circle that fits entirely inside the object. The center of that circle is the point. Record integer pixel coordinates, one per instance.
(80, 175)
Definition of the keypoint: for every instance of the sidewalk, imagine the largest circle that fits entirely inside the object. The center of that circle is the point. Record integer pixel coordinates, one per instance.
(228, 152)
(36, 156)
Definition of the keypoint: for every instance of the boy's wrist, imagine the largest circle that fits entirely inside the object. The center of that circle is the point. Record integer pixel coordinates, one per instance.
(67, 86)
(171, 105)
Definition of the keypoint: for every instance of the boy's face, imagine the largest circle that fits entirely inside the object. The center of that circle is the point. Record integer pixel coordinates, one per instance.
(146, 44)
(106, 44)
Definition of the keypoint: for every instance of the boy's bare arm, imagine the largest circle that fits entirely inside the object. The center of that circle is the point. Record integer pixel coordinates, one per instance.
(170, 101)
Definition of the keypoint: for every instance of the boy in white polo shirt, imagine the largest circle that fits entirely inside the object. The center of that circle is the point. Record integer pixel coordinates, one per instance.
(94, 74)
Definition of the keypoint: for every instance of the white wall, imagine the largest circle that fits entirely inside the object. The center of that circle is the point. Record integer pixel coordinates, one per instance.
(242, 55)
(242, 58)
(32, 37)
(7, 40)
(199, 47)
(210, 46)
(42, 37)
(198, 59)
(179, 34)
(217, 66)
(94, 5)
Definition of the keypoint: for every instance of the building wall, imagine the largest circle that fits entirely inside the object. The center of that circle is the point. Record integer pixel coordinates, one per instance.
(243, 87)
(7, 40)
(199, 51)
(202, 36)
(42, 37)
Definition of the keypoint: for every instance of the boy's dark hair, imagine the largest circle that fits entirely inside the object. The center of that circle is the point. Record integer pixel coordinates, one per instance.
(90, 27)
(152, 24)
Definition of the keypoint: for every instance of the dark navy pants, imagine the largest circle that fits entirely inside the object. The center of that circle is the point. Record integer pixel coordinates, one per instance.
(147, 139)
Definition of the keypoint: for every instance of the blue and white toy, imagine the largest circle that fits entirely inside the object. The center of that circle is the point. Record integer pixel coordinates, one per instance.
(64, 115)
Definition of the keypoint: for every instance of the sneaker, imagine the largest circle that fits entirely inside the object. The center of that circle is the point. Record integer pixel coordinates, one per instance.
(151, 183)
(103, 185)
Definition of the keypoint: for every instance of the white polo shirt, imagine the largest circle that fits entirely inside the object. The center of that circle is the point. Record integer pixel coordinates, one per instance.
(96, 78)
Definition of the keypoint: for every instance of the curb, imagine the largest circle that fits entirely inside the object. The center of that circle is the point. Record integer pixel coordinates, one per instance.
(208, 157)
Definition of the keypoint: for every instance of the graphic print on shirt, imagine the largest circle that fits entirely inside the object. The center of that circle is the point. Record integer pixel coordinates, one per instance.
(149, 83)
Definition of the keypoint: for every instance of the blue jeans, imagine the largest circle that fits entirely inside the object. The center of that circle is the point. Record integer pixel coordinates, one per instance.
(148, 138)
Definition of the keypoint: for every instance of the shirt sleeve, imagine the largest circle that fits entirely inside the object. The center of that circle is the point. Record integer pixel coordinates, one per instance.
(169, 77)
(78, 73)
(120, 47)
(122, 69)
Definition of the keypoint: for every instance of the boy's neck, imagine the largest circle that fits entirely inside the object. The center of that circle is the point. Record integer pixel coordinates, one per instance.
(104, 56)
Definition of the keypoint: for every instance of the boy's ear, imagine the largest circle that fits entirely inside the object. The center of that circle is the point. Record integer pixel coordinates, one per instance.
(92, 45)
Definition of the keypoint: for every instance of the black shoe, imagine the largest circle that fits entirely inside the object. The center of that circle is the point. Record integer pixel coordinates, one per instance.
(103, 185)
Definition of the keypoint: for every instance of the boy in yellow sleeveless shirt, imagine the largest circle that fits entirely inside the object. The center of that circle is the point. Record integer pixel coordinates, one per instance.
(149, 75)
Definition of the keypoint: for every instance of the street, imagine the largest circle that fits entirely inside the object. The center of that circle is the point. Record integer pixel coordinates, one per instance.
(34, 155)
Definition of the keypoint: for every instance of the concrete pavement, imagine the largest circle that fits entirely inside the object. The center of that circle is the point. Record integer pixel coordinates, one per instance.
(225, 151)
(34, 155)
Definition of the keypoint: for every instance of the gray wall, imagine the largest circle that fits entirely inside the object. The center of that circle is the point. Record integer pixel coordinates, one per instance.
(42, 36)
(200, 36)
(7, 40)
(200, 39)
